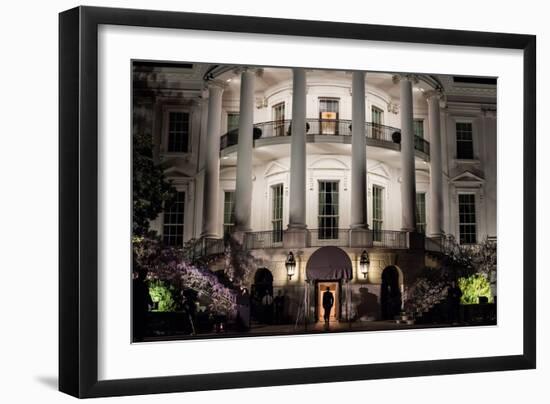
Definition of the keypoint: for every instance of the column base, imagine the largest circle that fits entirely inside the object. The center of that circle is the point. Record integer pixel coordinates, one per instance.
(210, 235)
(360, 237)
(295, 237)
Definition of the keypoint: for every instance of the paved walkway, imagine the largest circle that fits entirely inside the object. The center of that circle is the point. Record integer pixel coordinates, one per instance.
(313, 328)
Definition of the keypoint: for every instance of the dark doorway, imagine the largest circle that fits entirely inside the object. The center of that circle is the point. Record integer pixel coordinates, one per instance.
(263, 285)
(390, 293)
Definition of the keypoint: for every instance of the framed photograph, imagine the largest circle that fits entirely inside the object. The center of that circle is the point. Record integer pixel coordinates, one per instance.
(251, 201)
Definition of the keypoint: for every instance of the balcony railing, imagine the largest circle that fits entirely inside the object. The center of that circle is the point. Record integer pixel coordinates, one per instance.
(327, 237)
(208, 246)
(326, 127)
(389, 239)
(263, 239)
(445, 244)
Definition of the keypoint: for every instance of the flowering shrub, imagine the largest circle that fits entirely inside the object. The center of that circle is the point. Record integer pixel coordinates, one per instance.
(469, 265)
(425, 293)
(473, 287)
(163, 295)
(170, 264)
(238, 263)
(464, 260)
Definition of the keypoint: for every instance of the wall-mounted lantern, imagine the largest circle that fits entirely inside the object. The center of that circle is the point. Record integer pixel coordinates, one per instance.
(364, 263)
(290, 265)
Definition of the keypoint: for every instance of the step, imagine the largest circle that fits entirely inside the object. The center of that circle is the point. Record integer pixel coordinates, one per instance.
(407, 322)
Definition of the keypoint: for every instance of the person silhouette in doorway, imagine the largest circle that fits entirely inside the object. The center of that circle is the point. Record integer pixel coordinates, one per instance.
(328, 302)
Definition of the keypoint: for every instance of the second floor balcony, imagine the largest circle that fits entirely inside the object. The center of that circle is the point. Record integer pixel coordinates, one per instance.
(328, 237)
(273, 239)
(326, 130)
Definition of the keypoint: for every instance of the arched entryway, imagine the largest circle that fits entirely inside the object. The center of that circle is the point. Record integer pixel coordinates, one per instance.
(390, 293)
(263, 285)
(330, 268)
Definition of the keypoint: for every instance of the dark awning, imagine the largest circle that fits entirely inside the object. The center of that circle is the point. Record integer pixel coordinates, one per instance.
(329, 263)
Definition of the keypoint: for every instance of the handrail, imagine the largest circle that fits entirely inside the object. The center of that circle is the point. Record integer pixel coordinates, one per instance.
(327, 236)
(325, 127)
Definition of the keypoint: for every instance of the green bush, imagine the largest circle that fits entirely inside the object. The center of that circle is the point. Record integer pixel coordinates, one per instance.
(473, 287)
(163, 294)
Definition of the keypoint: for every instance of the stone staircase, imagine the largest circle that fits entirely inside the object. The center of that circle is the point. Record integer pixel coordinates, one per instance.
(435, 314)
(425, 315)
(405, 318)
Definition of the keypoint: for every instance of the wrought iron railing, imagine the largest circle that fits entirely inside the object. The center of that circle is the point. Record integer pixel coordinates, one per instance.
(435, 244)
(328, 237)
(389, 238)
(447, 244)
(422, 145)
(327, 127)
(204, 247)
(263, 239)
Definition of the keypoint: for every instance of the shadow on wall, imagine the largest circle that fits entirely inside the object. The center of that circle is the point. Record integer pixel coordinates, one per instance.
(368, 307)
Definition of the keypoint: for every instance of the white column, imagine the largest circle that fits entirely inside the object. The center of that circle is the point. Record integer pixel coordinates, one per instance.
(297, 208)
(408, 177)
(358, 154)
(243, 188)
(199, 194)
(212, 163)
(435, 228)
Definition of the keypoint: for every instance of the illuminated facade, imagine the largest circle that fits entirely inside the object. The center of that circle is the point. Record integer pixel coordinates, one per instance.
(298, 160)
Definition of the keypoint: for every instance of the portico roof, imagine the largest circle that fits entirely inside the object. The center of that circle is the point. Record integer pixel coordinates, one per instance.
(329, 263)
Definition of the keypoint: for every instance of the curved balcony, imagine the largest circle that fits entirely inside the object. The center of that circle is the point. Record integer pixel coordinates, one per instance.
(273, 239)
(391, 239)
(377, 135)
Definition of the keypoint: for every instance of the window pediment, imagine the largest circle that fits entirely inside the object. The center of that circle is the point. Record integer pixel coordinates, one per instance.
(275, 168)
(467, 177)
(380, 170)
(328, 164)
(176, 172)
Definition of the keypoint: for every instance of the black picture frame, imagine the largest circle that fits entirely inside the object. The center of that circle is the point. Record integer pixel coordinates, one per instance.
(78, 201)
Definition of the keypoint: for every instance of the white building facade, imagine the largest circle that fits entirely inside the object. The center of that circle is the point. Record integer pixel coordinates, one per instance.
(297, 160)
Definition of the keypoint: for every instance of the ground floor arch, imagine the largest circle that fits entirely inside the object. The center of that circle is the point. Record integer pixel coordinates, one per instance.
(329, 271)
(391, 299)
(262, 295)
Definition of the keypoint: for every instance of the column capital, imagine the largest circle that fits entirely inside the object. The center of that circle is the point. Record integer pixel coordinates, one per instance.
(258, 71)
(204, 94)
(393, 107)
(215, 84)
(435, 93)
(352, 72)
(413, 78)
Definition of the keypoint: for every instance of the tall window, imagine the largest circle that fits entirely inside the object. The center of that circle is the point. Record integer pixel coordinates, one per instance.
(464, 140)
(377, 119)
(418, 128)
(328, 210)
(329, 109)
(279, 119)
(172, 231)
(232, 121)
(467, 218)
(377, 212)
(277, 212)
(228, 212)
(421, 213)
(178, 132)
